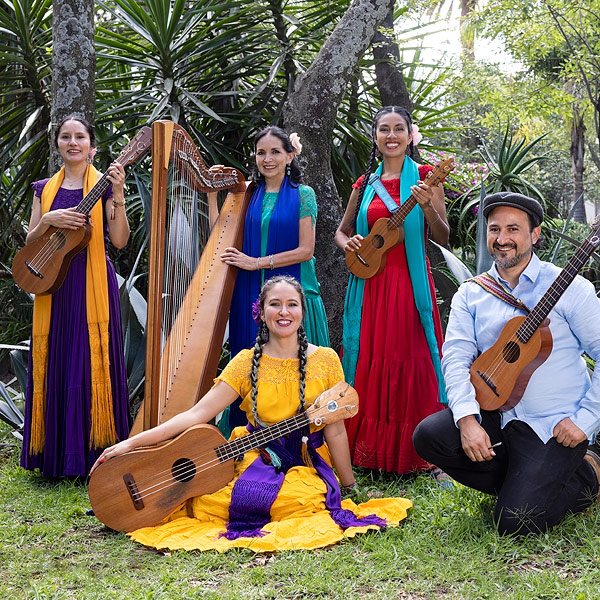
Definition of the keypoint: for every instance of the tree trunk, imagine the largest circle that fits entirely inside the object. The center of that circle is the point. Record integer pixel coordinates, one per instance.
(73, 64)
(467, 33)
(311, 110)
(577, 155)
(388, 69)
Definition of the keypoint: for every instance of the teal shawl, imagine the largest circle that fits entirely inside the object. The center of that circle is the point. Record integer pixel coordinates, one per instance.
(417, 266)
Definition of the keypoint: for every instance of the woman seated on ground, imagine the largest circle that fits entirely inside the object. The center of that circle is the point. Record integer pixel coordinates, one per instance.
(269, 506)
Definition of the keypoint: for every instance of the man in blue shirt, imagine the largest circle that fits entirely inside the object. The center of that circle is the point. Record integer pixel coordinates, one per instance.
(535, 456)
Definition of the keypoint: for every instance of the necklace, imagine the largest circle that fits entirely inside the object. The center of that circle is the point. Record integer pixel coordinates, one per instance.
(72, 184)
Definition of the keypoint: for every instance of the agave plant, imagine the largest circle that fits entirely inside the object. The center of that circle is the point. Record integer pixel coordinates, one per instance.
(512, 158)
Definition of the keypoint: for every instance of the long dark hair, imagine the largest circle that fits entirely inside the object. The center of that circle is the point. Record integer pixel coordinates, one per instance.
(373, 155)
(263, 337)
(89, 127)
(284, 138)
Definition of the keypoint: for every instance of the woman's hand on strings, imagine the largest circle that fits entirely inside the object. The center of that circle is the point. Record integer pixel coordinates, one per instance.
(354, 243)
(116, 175)
(64, 218)
(235, 258)
(423, 194)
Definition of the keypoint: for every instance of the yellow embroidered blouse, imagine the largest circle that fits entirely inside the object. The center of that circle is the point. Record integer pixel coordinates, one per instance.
(279, 382)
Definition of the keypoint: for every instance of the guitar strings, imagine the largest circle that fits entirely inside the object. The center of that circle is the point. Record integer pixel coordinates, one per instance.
(60, 236)
(243, 444)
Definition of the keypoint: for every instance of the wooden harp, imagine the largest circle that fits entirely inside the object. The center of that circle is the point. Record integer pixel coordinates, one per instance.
(189, 288)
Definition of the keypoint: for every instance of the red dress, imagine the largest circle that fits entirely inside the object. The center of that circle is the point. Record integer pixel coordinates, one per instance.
(395, 377)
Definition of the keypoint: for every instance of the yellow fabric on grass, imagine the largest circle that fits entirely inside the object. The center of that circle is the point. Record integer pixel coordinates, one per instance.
(299, 517)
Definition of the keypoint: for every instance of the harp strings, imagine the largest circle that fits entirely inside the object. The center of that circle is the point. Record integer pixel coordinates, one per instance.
(187, 230)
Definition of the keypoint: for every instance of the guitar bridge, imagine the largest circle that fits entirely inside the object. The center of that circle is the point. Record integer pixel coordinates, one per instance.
(489, 383)
(33, 271)
(362, 260)
(132, 488)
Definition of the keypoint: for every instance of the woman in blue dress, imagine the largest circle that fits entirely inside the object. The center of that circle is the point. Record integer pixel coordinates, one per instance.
(279, 239)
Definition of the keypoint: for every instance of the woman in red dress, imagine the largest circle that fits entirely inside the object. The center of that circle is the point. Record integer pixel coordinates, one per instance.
(392, 330)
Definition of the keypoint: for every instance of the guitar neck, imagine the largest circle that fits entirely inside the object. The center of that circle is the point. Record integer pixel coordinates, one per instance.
(542, 309)
(400, 215)
(433, 178)
(261, 437)
(90, 199)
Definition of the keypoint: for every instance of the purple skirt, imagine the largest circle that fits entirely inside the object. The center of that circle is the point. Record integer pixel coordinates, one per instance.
(68, 399)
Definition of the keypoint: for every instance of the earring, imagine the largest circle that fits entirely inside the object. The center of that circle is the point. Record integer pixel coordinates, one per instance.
(264, 332)
(288, 169)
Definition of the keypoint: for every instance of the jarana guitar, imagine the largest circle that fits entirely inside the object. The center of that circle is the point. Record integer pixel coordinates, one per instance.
(141, 487)
(501, 374)
(41, 266)
(386, 233)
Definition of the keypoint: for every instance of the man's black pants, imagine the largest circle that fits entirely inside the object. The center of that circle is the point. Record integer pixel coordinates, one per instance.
(537, 484)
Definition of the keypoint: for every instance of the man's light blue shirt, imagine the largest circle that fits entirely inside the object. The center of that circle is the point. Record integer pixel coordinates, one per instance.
(561, 386)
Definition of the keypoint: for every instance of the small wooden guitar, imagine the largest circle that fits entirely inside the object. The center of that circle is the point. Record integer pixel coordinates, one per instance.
(140, 488)
(41, 266)
(386, 233)
(501, 374)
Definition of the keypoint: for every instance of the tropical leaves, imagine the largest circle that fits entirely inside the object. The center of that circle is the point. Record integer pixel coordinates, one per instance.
(25, 58)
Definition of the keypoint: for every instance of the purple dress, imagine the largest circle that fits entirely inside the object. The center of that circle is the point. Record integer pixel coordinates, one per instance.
(68, 398)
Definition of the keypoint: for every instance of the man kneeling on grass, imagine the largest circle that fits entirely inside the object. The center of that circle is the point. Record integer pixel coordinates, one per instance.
(535, 457)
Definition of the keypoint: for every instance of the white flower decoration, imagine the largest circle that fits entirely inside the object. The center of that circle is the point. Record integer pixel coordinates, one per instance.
(295, 141)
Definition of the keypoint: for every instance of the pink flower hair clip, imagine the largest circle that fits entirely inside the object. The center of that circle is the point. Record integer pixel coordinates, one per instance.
(417, 136)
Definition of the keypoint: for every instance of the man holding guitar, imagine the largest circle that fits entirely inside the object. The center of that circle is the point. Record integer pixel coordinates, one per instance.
(532, 452)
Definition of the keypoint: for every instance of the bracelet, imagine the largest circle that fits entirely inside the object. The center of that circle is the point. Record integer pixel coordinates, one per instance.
(434, 222)
(271, 265)
(115, 203)
(257, 266)
(347, 488)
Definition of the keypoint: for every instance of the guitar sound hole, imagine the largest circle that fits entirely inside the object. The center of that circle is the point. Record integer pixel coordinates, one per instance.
(58, 237)
(511, 352)
(377, 241)
(183, 469)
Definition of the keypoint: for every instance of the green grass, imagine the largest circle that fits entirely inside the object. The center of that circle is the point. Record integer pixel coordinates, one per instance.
(447, 548)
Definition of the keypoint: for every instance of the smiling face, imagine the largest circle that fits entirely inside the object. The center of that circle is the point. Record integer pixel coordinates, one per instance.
(73, 142)
(510, 238)
(391, 135)
(272, 158)
(282, 310)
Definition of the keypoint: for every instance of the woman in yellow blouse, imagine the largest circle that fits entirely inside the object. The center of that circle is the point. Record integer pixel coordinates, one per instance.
(275, 501)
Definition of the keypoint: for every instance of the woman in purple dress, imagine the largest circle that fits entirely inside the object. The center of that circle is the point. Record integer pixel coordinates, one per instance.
(77, 400)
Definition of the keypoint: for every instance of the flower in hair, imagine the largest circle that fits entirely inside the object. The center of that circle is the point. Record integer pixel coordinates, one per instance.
(295, 141)
(256, 312)
(417, 136)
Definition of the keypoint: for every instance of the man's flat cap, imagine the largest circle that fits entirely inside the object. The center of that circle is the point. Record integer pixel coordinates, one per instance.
(524, 203)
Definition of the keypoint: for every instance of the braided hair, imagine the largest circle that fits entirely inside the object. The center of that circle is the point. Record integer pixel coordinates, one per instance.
(263, 337)
(374, 150)
(284, 138)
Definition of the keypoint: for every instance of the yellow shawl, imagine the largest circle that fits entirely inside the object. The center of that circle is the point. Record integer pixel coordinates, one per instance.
(103, 432)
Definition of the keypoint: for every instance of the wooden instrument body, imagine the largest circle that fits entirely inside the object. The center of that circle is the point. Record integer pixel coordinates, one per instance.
(372, 256)
(48, 279)
(501, 374)
(112, 499)
(140, 488)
